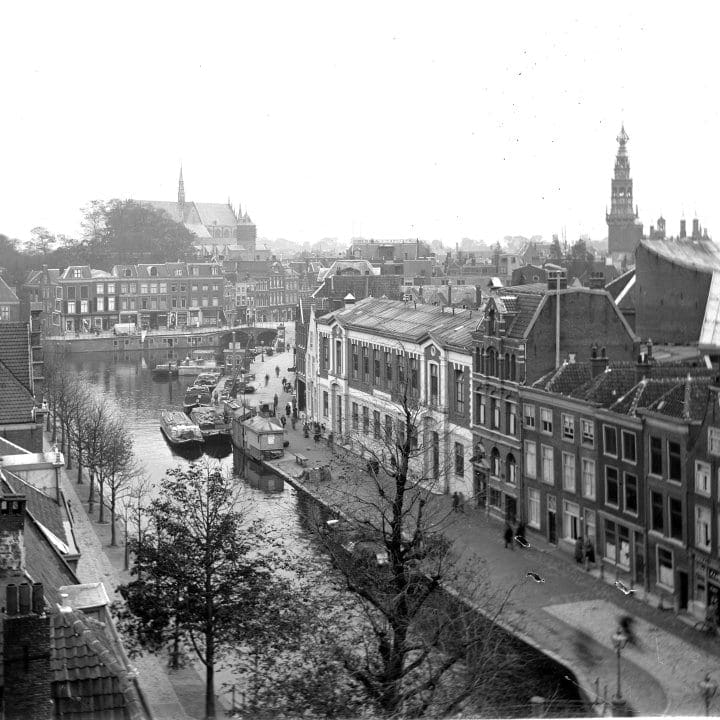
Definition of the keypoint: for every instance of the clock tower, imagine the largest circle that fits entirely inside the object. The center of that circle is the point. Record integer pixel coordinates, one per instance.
(624, 227)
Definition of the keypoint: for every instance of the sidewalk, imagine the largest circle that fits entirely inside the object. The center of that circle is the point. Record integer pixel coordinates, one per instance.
(572, 615)
(172, 695)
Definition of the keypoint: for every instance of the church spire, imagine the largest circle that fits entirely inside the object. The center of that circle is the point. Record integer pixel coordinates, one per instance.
(181, 190)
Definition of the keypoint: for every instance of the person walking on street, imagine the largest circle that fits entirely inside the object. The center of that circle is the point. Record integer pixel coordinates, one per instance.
(275, 402)
(277, 371)
(267, 380)
(508, 536)
(283, 421)
(456, 501)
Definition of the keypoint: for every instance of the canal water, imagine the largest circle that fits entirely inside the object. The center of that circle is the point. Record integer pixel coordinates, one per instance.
(125, 380)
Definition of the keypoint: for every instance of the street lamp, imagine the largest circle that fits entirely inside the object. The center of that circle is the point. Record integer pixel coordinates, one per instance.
(708, 688)
(619, 639)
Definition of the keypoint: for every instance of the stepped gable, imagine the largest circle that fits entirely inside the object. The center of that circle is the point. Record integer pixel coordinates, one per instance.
(90, 680)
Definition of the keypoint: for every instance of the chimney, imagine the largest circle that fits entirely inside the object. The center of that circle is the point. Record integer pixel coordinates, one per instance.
(597, 364)
(12, 544)
(597, 280)
(555, 273)
(26, 654)
(683, 233)
(643, 365)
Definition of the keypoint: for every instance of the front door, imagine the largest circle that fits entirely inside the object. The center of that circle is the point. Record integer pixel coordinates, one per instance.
(552, 527)
(510, 509)
(683, 589)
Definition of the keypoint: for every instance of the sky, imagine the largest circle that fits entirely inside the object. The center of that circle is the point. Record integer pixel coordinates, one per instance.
(377, 119)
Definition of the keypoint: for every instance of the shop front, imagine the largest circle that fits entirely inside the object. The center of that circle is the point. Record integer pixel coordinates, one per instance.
(706, 591)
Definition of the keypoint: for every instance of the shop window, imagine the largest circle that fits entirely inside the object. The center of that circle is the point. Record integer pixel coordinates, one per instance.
(665, 573)
(495, 498)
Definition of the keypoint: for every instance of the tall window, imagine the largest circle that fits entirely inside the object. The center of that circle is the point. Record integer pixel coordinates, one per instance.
(546, 421)
(610, 441)
(666, 574)
(612, 487)
(338, 356)
(325, 353)
(529, 415)
(511, 419)
(702, 528)
(631, 494)
(459, 459)
(629, 452)
(376, 367)
(433, 384)
(676, 520)
(568, 427)
(530, 459)
(366, 419)
(479, 409)
(355, 361)
(534, 508)
(366, 365)
(655, 455)
(377, 434)
(588, 433)
(674, 461)
(546, 456)
(388, 369)
(325, 404)
(571, 520)
(413, 375)
(657, 514)
(355, 416)
(388, 428)
(702, 478)
(459, 392)
(495, 413)
(568, 463)
(510, 469)
(588, 478)
(495, 462)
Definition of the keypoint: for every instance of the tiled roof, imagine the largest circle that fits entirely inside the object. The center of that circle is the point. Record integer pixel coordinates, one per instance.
(527, 306)
(43, 509)
(395, 318)
(7, 295)
(15, 373)
(686, 400)
(702, 255)
(89, 679)
(566, 378)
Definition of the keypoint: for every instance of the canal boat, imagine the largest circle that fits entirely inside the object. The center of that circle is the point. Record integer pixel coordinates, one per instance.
(165, 370)
(178, 429)
(202, 361)
(195, 396)
(207, 379)
(211, 423)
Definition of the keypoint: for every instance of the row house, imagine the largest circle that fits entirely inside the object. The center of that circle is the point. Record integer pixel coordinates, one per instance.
(610, 456)
(520, 337)
(274, 296)
(362, 360)
(165, 295)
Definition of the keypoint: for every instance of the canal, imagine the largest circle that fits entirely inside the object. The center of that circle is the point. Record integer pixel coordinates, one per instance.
(125, 379)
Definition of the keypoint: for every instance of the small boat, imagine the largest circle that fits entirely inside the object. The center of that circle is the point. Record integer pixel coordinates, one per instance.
(211, 423)
(178, 429)
(203, 361)
(196, 396)
(168, 369)
(208, 380)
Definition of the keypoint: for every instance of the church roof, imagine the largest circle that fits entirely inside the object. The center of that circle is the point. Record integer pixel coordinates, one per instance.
(702, 255)
(216, 214)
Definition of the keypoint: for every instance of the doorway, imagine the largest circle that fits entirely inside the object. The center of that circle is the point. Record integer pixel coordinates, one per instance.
(510, 509)
(683, 589)
(552, 527)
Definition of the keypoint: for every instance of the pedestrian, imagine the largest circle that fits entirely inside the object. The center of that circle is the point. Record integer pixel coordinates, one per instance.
(277, 371)
(589, 551)
(288, 409)
(293, 420)
(508, 536)
(520, 532)
(282, 420)
(627, 623)
(275, 402)
(284, 382)
(267, 380)
(461, 502)
(294, 413)
(455, 501)
(579, 545)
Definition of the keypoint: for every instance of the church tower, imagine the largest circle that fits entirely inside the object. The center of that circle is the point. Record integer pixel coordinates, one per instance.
(181, 192)
(624, 227)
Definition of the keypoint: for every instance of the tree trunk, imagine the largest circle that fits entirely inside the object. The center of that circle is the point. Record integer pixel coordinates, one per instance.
(209, 674)
(91, 494)
(113, 535)
(101, 483)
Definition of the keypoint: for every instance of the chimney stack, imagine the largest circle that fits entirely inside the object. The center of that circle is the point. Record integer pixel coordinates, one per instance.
(597, 280)
(598, 364)
(12, 543)
(26, 654)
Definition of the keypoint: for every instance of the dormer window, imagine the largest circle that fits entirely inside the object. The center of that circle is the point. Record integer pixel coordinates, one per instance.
(128, 272)
(153, 272)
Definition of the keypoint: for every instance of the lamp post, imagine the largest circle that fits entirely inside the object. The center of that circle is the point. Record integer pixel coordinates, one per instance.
(619, 639)
(708, 688)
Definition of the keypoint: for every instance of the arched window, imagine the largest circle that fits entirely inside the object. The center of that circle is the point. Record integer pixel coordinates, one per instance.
(491, 364)
(495, 462)
(513, 368)
(128, 272)
(153, 272)
(510, 469)
(506, 367)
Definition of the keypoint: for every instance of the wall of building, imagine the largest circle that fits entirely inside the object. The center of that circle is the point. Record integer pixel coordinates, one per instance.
(669, 299)
(587, 318)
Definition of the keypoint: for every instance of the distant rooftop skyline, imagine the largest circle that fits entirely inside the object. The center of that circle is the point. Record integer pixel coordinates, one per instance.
(325, 120)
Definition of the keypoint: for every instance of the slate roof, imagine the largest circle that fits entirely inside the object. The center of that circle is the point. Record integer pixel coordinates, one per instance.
(90, 680)
(686, 400)
(395, 318)
(15, 373)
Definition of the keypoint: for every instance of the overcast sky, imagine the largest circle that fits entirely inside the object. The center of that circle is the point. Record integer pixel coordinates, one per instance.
(387, 120)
